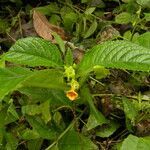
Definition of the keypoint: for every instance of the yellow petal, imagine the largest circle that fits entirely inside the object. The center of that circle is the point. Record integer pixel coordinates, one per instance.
(72, 95)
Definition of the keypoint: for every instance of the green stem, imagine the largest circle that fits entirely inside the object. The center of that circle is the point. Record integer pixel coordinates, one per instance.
(61, 135)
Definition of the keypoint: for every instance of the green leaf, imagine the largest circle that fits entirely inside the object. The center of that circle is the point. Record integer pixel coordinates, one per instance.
(135, 143)
(75, 141)
(48, 9)
(43, 130)
(96, 118)
(69, 58)
(69, 19)
(130, 110)
(48, 78)
(59, 41)
(11, 78)
(12, 110)
(144, 3)
(91, 30)
(42, 109)
(3, 26)
(12, 141)
(116, 54)
(29, 134)
(107, 130)
(2, 63)
(100, 72)
(34, 51)
(147, 16)
(123, 18)
(34, 144)
(144, 40)
(37, 94)
(89, 11)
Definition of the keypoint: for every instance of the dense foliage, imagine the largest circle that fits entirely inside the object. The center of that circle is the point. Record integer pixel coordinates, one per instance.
(84, 84)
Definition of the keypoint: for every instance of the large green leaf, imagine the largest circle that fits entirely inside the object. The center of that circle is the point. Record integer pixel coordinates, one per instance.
(76, 141)
(37, 94)
(116, 54)
(34, 51)
(135, 143)
(11, 78)
(48, 78)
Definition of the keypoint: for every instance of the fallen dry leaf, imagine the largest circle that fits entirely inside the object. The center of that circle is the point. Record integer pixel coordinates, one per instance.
(45, 29)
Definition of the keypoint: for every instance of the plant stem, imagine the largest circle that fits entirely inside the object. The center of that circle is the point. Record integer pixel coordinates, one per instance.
(61, 135)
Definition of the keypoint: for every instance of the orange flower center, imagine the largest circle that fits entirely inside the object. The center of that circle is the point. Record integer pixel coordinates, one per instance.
(72, 95)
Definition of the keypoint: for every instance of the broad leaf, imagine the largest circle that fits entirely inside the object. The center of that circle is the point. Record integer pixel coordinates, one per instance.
(48, 78)
(116, 54)
(34, 51)
(123, 18)
(76, 141)
(37, 94)
(11, 78)
(135, 143)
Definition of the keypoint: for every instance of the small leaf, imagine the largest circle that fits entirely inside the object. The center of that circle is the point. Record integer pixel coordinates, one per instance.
(34, 51)
(42, 109)
(144, 40)
(147, 16)
(29, 134)
(69, 58)
(123, 18)
(59, 41)
(101, 72)
(12, 141)
(107, 130)
(130, 110)
(89, 10)
(69, 19)
(91, 30)
(35, 144)
(144, 3)
(48, 9)
(43, 130)
(4, 25)
(12, 110)
(96, 118)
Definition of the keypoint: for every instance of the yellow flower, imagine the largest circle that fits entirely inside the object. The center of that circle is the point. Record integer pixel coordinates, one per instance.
(72, 95)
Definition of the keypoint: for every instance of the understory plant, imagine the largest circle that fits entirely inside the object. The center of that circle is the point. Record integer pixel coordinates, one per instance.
(41, 86)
